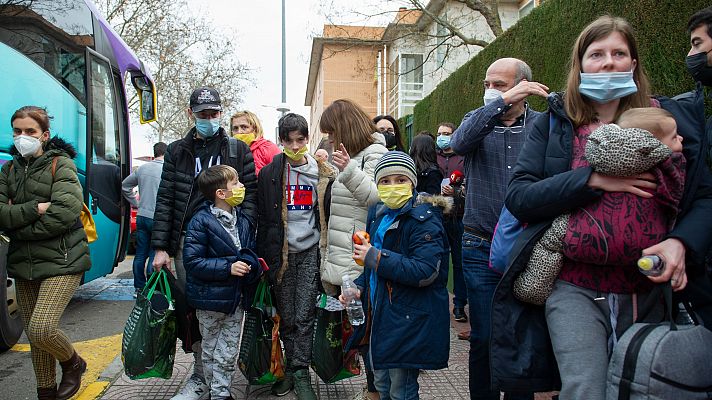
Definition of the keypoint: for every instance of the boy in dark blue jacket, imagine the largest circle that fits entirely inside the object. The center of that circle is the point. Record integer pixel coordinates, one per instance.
(404, 281)
(220, 263)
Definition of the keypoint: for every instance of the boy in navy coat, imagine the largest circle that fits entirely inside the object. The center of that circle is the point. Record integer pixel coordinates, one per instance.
(220, 263)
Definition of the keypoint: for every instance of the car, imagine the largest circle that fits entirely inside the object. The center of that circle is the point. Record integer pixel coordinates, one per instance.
(132, 236)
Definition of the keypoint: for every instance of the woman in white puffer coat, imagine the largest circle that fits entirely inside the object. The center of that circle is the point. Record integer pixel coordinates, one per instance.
(357, 149)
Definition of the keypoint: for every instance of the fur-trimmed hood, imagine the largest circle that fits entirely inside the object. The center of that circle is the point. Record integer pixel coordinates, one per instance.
(54, 143)
(446, 204)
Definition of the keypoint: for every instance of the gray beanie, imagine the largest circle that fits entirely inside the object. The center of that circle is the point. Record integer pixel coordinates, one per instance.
(396, 162)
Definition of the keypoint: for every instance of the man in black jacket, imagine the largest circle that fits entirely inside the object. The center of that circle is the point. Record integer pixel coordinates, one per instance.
(699, 65)
(206, 144)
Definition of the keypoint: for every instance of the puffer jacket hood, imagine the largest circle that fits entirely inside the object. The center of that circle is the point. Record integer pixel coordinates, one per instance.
(442, 202)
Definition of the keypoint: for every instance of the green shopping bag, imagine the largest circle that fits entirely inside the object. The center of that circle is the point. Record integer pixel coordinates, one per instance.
(261, 360)
(148, 347)
(332, 330)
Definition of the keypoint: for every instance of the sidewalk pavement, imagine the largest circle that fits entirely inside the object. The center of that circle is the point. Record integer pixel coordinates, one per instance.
(450, 383)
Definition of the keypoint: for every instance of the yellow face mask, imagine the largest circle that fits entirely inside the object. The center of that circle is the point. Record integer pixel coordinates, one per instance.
(295, 156)
(248, 138)
(395, 196)
(238, 195)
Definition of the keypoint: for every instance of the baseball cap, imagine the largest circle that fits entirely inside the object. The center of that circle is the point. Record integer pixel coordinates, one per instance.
(205, 98)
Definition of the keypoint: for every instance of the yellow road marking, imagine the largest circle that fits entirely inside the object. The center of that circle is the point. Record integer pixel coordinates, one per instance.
(98, 353)
(21, 347)
(93, 391)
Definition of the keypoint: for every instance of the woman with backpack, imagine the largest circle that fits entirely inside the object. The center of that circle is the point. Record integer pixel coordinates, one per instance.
(40, 203)
(591, 306)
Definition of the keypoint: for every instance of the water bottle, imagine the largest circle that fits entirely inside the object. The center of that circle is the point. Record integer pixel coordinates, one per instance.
(652, 265)
(354, 309)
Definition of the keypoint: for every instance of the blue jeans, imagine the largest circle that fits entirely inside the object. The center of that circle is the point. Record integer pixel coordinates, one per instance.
(481, 282)
(454, 229)
(397, 383)
(144, 226)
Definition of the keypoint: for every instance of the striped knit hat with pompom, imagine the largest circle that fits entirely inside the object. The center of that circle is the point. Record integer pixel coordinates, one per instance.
(396, 162)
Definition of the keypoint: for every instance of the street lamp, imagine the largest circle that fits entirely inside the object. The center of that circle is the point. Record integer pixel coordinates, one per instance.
(283, 109)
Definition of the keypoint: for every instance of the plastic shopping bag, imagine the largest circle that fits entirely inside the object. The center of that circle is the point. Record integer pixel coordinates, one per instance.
(261, 359)
(331, 332)
(148, 347)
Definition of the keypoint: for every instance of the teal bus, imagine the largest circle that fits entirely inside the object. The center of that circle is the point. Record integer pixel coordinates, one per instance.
(64, 56)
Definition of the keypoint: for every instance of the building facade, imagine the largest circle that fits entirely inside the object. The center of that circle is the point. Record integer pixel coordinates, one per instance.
(388, 70)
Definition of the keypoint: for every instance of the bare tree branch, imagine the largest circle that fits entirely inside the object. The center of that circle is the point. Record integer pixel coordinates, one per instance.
(182, 51)
(454, 33)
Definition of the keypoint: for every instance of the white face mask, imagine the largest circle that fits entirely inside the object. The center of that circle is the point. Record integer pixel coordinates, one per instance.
(27, 145)
(491, 95)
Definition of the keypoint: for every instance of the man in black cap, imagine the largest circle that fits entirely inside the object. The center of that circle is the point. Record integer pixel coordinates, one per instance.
(206, 144)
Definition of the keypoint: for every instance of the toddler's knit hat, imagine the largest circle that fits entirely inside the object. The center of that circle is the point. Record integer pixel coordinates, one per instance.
(396, 162)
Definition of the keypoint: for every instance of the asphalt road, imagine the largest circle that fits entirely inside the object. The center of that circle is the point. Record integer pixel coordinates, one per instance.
(94, 321)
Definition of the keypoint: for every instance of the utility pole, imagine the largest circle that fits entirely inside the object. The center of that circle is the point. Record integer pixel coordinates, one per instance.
(283, 108)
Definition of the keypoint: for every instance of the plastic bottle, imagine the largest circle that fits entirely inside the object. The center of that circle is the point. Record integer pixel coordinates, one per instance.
(651, 265)
(354, 309)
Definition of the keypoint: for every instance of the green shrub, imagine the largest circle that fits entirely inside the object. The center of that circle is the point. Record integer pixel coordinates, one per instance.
(544, 40)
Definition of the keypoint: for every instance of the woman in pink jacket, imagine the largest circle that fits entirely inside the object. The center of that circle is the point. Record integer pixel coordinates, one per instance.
(246, 126)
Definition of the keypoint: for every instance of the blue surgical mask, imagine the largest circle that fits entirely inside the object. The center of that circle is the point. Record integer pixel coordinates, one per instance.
(443, 141)
(603, 87)
(207, 127)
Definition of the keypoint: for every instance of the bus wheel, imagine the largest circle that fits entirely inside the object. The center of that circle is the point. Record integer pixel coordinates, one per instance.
(10, 321)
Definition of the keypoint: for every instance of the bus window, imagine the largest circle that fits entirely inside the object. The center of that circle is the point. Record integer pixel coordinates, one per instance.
(53, 34)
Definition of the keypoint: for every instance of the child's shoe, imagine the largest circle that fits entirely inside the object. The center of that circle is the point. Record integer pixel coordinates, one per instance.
(302, 385)
(284, 386)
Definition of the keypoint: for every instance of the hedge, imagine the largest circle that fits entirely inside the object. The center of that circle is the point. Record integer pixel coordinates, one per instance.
(544, 40)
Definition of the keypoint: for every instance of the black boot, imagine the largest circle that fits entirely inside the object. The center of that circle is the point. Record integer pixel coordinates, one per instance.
(47, 393)
(72, 371)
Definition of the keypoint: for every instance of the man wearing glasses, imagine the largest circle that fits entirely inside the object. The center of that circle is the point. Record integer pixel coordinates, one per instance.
(490, 138)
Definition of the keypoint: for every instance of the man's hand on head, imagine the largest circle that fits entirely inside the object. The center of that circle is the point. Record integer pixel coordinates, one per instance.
(524, 89)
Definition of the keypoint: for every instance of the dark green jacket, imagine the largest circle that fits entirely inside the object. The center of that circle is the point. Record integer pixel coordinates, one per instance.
(42, 246)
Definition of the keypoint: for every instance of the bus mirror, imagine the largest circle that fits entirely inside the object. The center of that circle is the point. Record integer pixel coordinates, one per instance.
(147, 97)
(148, 106)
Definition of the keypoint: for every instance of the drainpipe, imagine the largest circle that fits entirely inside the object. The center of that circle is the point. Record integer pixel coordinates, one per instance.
(378, 84)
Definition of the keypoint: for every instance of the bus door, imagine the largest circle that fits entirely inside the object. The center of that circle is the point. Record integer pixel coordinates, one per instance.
(105, 154)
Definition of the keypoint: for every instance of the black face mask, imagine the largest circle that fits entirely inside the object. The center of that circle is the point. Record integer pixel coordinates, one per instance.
(390, 140)
(698, 68)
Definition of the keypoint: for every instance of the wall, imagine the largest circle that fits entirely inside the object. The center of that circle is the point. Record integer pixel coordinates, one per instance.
(544, 39)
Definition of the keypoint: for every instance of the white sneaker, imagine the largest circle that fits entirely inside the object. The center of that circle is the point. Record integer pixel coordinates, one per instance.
(194, 389)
